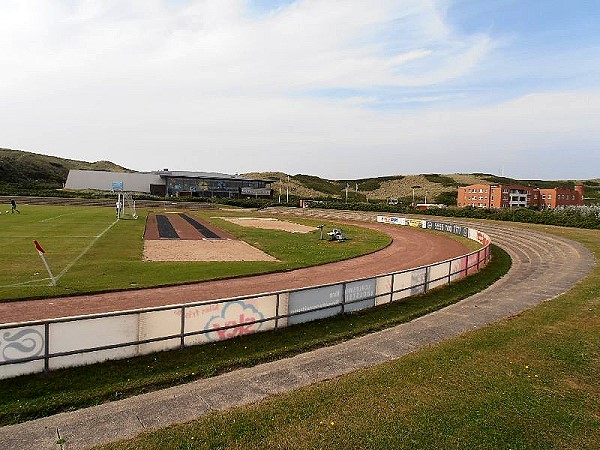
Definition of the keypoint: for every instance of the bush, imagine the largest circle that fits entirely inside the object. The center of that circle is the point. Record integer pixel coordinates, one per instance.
(574, 217)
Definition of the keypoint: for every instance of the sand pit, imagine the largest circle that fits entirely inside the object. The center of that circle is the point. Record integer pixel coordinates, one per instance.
(269, 224)
(179, 237)
(202, 250)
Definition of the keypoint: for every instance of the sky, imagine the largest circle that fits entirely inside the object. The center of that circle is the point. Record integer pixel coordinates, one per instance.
(342, 89)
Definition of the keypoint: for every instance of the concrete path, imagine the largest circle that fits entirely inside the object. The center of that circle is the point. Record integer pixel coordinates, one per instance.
(544, 267)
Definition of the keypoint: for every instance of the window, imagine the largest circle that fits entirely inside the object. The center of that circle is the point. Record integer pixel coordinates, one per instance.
(549, 196)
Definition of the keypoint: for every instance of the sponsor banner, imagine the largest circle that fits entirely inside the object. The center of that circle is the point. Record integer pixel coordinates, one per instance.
(311, 299)
(483, 238)
(392, 220)
(256, 191)
(357, 291)
(417, 223)
(448, 228)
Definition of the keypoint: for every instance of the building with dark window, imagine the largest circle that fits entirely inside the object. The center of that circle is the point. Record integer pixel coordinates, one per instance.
(166, 183)
(518, 196)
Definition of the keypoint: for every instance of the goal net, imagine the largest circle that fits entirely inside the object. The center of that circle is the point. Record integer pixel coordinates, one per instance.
(126, 206)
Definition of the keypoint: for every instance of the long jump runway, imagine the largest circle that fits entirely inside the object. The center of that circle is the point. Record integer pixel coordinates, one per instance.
(180, 226)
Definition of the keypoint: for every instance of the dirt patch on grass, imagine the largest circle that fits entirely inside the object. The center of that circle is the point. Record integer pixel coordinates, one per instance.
(269, 224)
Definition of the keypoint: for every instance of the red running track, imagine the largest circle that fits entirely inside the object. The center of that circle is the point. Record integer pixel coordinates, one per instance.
(410, 248)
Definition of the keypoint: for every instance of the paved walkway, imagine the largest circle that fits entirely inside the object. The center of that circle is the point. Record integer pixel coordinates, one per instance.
(544, 267)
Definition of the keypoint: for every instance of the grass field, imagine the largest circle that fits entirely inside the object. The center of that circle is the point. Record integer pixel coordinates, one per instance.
(89, 251)
(529, 382)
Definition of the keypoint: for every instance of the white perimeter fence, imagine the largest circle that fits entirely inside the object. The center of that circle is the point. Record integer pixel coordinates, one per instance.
(40, 346)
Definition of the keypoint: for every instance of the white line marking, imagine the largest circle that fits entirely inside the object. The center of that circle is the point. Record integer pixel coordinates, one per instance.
(25, 283)
(41, 236)
(85, 250)
(62, 215)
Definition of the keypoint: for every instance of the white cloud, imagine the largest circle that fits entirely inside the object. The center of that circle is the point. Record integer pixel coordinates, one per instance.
(206, 85)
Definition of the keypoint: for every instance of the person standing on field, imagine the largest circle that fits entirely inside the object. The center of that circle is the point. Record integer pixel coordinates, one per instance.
(13, 206)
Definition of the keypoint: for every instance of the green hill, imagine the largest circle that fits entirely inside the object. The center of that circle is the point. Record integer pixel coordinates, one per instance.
(22, 171)
(23, 168)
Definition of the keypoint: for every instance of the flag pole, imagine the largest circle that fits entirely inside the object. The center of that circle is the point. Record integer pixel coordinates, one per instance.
(41, 252)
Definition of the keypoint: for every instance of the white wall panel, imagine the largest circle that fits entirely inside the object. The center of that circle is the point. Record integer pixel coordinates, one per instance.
(83, 359)
(90, 333)
(16, 370)
(384, 286)
(438, 271)
(458, 268)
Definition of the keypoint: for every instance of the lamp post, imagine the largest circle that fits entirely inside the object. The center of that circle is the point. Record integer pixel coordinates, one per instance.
(413, 191)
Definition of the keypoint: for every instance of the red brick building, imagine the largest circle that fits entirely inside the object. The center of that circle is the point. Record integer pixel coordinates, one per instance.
(518, 196)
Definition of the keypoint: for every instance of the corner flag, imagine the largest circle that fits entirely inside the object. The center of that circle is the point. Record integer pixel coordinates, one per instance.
(38, 247)
(41, 252)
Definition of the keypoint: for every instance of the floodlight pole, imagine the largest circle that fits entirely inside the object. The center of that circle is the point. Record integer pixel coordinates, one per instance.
(413, 190)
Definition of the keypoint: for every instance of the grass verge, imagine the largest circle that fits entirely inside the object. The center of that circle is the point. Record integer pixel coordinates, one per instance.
(528, 382)
(41, 395)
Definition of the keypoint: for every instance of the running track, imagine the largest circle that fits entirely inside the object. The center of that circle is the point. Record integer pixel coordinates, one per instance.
(410, 248)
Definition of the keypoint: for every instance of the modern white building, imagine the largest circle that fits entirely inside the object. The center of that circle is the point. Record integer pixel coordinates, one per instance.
(170, 183)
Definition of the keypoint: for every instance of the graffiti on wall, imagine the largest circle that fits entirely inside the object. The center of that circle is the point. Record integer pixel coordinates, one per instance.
(20, 344)
(235, 319)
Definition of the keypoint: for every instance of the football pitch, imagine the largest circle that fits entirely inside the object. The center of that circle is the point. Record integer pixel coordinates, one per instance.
(88, 250)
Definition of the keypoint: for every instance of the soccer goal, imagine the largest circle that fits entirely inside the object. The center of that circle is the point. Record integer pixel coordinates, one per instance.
(126, 206)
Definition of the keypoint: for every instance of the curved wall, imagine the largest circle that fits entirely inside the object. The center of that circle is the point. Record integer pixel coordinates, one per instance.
(30, 347)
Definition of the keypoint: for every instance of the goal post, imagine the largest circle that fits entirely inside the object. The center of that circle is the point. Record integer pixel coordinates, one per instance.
(125, 206)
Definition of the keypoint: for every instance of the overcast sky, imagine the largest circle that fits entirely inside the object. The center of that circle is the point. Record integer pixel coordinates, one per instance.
(339, 89)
